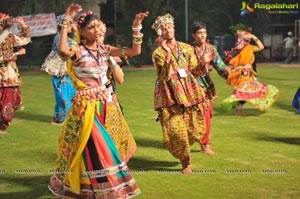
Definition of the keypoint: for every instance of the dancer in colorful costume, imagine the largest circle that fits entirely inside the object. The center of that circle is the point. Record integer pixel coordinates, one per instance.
(88, 163)
(177, 97)
(10, 79)
(56, 66)
(115, 122)
(208, 58)
(247, 87)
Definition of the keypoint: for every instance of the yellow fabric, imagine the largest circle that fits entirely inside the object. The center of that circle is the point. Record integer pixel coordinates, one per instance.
(77, 83)
(74, 177)
(77, 164)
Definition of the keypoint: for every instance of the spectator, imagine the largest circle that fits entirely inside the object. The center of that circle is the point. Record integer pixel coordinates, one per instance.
(289, 47)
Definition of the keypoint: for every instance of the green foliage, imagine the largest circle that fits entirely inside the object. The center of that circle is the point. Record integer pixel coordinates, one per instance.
(238, 26)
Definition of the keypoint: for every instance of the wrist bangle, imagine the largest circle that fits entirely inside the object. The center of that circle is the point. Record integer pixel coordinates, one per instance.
(137, 39)
(135, 29)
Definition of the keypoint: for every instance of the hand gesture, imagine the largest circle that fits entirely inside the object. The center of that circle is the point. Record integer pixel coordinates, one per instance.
(22, 51)
(139, 18)
(73, 10)
(167, 49)
(20, 20)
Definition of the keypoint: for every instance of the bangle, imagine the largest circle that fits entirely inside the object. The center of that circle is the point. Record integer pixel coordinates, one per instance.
(137, 28)
(137, 39)
(114, 67)
(68, 18)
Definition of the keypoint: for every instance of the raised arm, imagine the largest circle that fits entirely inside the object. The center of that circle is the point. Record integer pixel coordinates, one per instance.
(24, 38)
(71, 12)
(136, 41)
(259, 46)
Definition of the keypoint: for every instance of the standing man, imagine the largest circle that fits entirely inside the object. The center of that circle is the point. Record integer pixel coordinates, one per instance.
(10, 79)
(208, 58)
(177, 97)
(289, 47)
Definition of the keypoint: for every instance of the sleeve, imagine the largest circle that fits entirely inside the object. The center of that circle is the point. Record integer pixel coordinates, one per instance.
(77, 54)
(218, 63)
(163, 69)
(193, 62)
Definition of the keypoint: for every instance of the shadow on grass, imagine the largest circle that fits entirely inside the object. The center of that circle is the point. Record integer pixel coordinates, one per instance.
(248, 110)
(143, 164)
(26, 115)
(149, 143)
(284, 106)
(287, 140)
(26, 187)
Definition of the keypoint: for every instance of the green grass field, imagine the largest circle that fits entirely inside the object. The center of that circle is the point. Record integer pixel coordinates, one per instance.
(258, 155)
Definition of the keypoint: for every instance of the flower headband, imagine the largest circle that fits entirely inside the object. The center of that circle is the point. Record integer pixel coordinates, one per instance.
(87, 16)
(161, 22)
(82, 18)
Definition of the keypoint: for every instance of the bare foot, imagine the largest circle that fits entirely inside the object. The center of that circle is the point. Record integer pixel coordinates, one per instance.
(20, 108)
(187, 170)
(207, 150)
(3, 132)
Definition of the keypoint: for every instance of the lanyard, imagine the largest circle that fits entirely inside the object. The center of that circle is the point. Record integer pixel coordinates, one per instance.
(92, 55)
(177, 58)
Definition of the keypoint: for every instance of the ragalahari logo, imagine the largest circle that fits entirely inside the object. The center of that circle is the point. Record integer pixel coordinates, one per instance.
(246, 8)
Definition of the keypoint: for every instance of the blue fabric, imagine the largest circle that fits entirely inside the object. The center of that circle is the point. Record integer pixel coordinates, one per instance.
(296, 99)
(64, 92)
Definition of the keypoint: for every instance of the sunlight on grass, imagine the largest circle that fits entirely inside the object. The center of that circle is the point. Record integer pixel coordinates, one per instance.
(258, 155)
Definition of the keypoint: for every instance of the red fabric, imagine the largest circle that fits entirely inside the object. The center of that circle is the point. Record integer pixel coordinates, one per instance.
(208, 113)
(10, 98)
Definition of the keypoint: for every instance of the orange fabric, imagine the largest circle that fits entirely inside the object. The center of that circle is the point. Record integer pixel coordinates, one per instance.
(246, 56)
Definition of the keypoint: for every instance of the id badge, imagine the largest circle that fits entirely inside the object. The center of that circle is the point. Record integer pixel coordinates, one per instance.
(182, 72)
(109, 98)
(103, 78)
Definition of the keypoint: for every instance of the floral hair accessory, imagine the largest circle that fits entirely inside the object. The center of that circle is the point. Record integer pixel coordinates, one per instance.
(161, 22)
(82, 18)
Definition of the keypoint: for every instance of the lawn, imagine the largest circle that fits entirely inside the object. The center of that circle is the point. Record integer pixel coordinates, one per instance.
(258, 155)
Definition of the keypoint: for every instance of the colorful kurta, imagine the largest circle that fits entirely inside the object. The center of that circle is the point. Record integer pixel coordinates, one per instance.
(246, 86)
(88, 163)
(10, 79)
(56, 66)
(177, 98)
(212, 59)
